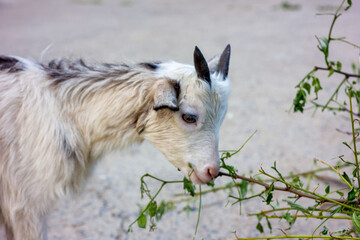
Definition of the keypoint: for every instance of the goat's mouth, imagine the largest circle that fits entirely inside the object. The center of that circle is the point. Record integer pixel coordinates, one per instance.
(197, 180)
(199, 177)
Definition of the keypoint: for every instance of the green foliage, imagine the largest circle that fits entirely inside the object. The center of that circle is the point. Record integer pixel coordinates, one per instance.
(349, 2)
(259, 227)
(327, 189)
(300, 100)
(244, 188)
(269, 194)
(142, 220)
(325, 231)
(296, 206)
(189, 186)
(303, 94)
(356, 222)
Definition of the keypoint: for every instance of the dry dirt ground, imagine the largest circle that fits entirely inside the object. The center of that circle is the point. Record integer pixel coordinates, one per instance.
(272, 49)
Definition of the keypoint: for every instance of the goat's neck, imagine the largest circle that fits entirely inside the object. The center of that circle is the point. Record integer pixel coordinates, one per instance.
(111, 118)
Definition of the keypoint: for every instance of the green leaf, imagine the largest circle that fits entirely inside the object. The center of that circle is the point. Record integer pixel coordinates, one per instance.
(325, 231)
(299, 101)
(357, 96)
(347, 178)
(331, 71)
(243, 188)
(289, 219)
(160, 211)
(351, 195)
(327, 189)
(349, 5)
(226, 155)
(259, 227)
(340, 193)
(338, 66)
(316, 83)
(189, 187)
(353, 67)
(336, 210)
(269, 195)
(162, 208)
(356, 222)
(346, 144)
(269, 225)
(325, 40)
(354, 173)
(342, 231)
(152, 208)
(142, 221)
(269, 198)
(323, 48)
(297, 182)
(280, 175)
(271, 188)
(296, 206)
(229, 168)
(307, 87)
(211, 184)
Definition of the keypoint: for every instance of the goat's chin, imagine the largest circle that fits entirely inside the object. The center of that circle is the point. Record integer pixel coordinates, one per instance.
(195, 178)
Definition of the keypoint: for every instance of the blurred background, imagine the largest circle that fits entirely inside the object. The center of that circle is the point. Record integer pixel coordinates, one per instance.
(273, 48)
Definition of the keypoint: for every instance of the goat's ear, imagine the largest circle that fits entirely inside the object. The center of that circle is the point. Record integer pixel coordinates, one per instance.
(221, 63)
(201, 66)
(166, 95)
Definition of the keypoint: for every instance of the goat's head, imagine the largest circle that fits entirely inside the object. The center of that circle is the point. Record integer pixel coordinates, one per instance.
(190, 103)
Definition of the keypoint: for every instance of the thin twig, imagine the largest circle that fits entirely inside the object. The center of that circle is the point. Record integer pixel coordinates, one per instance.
(343, 109)
(336, 92)
(354, 141)
(310, 216)
(198, 217)
(301, 237)
(312, 209)
(284, 189)
(291, 189)
(347, 75)
(345, 41)
(320, 198)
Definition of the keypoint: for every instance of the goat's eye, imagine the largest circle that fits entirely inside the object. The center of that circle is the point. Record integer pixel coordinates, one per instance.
(189, 118)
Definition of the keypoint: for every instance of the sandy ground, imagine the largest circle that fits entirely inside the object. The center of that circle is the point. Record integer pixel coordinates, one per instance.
(272, 49)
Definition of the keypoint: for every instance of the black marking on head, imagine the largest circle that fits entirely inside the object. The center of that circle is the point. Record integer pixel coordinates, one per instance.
(62, 70)
(10, 64)
(175, 109)
(152, 66)
(167, 95)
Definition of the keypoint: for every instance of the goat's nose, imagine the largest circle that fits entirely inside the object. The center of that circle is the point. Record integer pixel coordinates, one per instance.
(212, 171)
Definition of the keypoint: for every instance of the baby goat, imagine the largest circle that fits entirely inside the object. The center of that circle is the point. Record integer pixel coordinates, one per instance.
(58, 119)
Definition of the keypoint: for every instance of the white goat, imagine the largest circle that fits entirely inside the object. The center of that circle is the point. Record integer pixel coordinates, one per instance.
(58, 119)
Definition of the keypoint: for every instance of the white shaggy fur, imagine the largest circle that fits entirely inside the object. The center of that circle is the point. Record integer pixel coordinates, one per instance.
(57, 120)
